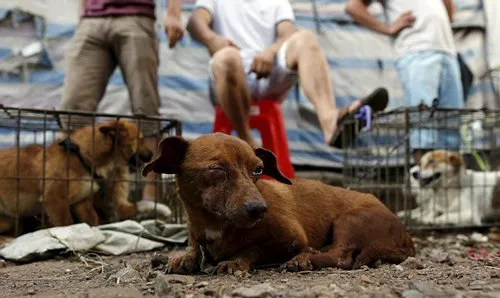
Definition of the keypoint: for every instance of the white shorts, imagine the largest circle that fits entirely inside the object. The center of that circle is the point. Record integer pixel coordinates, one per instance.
(276, 86)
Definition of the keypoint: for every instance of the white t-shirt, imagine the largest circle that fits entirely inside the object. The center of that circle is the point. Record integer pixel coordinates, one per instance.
(250, 24)
(431, 30)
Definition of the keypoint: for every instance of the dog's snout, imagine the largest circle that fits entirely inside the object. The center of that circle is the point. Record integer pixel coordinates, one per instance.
(145, 155)
(416, 175)
(139, 157)
(255, 209)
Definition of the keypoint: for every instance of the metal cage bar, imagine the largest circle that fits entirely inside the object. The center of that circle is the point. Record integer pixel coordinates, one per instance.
(381, 161)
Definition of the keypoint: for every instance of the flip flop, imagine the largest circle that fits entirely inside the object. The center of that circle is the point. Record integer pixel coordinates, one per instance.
(377, 101)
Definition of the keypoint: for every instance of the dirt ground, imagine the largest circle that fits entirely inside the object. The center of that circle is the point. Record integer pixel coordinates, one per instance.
(442, 268)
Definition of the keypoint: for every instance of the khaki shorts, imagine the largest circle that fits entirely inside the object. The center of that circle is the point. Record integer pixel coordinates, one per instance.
(98, 46)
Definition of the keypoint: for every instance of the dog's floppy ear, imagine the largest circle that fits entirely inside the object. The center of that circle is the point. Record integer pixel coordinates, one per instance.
(172, 151)
(112, 129)
(271, 165)
(455, 160)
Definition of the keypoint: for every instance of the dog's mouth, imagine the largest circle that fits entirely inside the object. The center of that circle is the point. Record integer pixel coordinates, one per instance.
(245, 222)
(428, 180)
(138, 158)
(246, 216)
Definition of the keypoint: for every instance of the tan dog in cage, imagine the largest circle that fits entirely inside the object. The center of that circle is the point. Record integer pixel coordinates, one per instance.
(75, 169)
(448, 193)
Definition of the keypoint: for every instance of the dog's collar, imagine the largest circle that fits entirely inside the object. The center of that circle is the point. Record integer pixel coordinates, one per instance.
(72, 147)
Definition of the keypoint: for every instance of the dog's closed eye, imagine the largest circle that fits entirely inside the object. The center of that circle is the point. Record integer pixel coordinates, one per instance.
(428, 163)
(213, 175)
(216, 170)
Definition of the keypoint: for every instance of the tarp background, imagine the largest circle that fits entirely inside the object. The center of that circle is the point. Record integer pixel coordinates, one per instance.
(360, 60)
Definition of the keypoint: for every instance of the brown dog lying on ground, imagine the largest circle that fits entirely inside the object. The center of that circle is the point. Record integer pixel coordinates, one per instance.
(241, 221)
(102, 153)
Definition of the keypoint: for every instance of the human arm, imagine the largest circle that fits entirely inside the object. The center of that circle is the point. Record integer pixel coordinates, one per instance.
(262, 65)
(81, 8)
(284, 27)
(199, 27)
(173, 23)
(284, 30)
(358, 10)
(450, 8)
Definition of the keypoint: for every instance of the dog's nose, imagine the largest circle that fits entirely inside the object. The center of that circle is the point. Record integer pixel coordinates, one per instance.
(416, 175)
(145, 155)
(139, 157)
(255, 209)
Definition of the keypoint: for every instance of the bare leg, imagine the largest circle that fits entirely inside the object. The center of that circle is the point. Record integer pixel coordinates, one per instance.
(120, 191)
(151, 184)
(6, 224)
(5, 239)
(57, 205)
(85, 212)
(305, 55)
(232, 92)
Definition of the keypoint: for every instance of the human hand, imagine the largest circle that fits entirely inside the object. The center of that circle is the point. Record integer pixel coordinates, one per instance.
(262, 64)
(405, 20)
(174, 30)
(217, 43)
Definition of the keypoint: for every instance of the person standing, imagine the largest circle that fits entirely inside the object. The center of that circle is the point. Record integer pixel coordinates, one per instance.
(121, 33)
(426, 60)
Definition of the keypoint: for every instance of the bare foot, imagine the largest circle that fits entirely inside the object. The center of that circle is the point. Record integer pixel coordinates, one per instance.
(330, 125)
(354, 105)
(149, 192)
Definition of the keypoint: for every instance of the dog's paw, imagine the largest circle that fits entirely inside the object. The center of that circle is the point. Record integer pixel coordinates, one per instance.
(301, 262)
(232, 266)
(146, 209)
(428, 220)
(185, 264)
(126, 210)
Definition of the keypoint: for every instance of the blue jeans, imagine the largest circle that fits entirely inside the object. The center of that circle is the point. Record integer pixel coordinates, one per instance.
(426, 75)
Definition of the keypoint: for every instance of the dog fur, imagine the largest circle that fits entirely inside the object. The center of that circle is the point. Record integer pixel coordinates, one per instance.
(448, 193)
(240, 221)
(107, 148)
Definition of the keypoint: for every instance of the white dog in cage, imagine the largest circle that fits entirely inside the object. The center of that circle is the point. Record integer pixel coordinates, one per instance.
(425, 210)
(448, 193)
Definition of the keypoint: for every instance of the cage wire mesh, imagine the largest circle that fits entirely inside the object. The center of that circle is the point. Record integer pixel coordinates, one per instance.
(41, 171)
(440, 191)
(492, 78)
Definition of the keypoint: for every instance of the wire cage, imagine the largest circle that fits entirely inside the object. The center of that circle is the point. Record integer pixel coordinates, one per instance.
(58, 168)
(492, 78)
(455, 184)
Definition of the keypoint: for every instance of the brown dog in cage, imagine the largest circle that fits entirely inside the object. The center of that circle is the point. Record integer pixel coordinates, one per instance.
(65, 177)
(239, 221)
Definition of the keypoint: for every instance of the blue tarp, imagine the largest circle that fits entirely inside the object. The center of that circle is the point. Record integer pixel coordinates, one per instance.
(360, 60)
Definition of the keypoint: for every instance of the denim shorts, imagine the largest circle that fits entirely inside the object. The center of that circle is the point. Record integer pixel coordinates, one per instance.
(426, 75)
